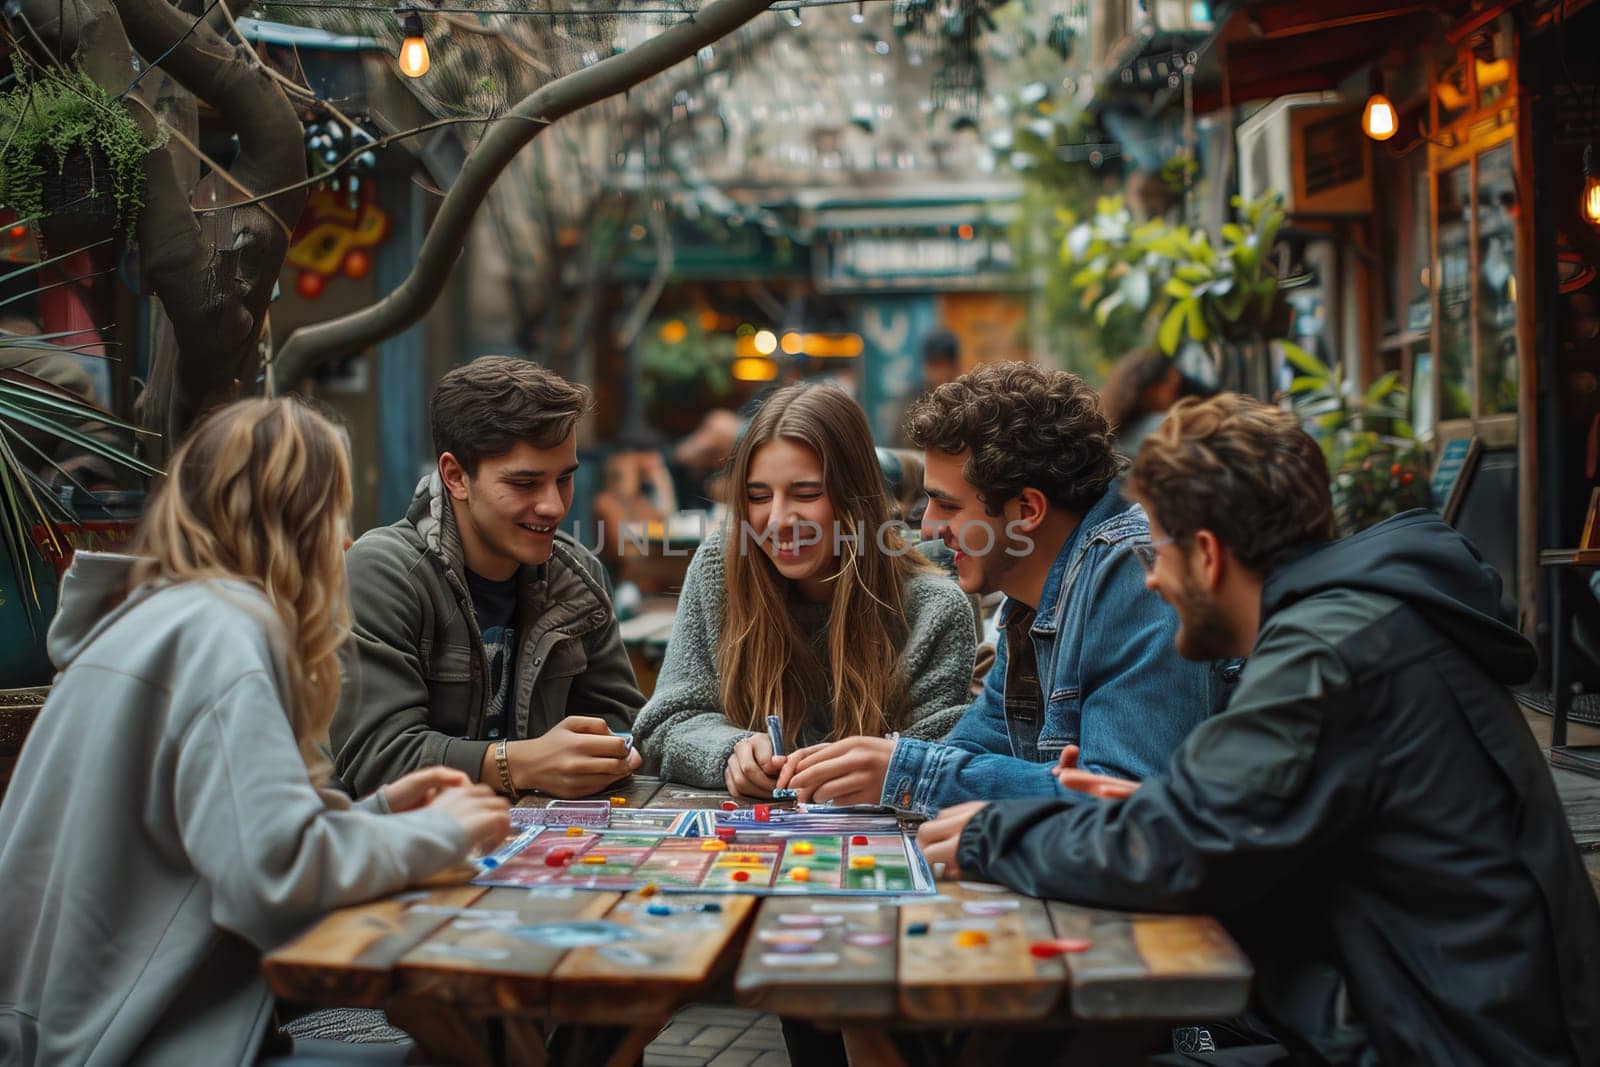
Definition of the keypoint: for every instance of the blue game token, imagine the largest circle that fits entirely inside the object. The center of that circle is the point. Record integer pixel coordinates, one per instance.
(659, 909)
(916, 929)
(711, 906)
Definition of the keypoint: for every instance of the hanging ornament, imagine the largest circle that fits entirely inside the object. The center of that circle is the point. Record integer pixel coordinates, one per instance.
(309, 284)
(357, 263)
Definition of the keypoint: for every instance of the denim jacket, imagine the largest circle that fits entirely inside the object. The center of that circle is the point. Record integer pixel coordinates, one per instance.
(1109, 672)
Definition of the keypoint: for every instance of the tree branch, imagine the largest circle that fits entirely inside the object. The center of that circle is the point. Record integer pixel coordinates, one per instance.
(312, 345)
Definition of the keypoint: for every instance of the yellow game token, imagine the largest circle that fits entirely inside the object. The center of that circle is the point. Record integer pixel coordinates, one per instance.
(803, 848)
(617, 802)
(649, 890)
(592, 859)
(800, 874)
(574, 831)
(971, 938)
(711, 844)
(862, 863)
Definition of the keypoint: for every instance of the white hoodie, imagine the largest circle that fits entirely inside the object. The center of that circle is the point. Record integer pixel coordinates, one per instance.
(161, 833)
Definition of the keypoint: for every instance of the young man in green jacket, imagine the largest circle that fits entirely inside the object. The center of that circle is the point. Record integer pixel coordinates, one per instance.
(484, 639)
(1370, 817)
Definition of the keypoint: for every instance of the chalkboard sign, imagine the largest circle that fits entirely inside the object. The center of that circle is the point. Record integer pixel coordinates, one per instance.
(1457, 460)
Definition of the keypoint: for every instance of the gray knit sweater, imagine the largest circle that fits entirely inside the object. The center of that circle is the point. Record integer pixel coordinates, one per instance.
(682, 729)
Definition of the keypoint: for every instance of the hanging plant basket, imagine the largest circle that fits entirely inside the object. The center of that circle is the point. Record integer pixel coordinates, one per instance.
(79, 203)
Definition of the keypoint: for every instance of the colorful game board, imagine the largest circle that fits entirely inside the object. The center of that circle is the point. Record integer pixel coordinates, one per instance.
(748, 862)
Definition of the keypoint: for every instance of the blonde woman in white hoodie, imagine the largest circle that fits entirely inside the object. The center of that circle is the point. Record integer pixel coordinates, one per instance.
(165, 825)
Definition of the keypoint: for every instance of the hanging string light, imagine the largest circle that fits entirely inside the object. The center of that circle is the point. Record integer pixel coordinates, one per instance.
(1379, 120)
(414, 60)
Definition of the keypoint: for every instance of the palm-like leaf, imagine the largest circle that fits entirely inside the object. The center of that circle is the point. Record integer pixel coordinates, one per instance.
(29, 403)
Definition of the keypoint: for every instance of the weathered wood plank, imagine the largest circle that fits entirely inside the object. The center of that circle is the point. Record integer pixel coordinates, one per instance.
(1151, 966)
(650, 976)
(638, 790)
(485, 963)
(346, 959)
(998, 981)
(821, 958)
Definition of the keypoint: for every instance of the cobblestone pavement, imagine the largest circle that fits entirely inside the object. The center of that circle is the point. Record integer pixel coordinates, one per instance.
(704, 1035)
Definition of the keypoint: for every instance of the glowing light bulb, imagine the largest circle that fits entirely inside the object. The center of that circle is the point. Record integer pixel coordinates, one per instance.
(1379, 120)
(414, 59)
(1589, 206)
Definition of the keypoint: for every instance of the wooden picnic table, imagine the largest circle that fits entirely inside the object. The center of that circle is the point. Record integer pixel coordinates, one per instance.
(480, 994)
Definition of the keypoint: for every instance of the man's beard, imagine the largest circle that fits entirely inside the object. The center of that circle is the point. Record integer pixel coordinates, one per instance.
(1204, 632)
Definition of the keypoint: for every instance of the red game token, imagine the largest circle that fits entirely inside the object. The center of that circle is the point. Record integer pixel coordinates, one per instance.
(741, 876)
(727, 833)
(859, 839)
(763, 813)
(729, 805)
(558, 857)
(1046, 950)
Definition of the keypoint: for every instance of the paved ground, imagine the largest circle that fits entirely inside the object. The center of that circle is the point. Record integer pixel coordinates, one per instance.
(705, 1036)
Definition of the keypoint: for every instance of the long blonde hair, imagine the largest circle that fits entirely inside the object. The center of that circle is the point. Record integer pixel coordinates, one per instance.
(766, 662)
(260, 493)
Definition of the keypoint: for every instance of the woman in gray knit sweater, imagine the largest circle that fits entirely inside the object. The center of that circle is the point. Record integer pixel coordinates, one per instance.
(810, 605)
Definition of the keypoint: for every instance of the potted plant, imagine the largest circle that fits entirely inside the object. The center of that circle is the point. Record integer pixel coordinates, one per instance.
(1376, 465)
(72, 155)
(45, 509)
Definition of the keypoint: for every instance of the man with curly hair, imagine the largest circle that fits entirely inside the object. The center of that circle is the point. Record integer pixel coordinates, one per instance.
(1020, 474)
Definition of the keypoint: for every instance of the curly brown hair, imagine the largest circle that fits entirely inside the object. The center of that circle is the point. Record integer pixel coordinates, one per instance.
(1025, 426)
(484, 408)
(1240, 468)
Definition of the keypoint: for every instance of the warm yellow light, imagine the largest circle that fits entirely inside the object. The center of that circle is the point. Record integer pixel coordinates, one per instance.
(414, 61)
(1379, 120)
(709, 320)
(753, 369)
(793, 344)
(834, 345)
(766, 344)
(1591, 200)
(673, 331)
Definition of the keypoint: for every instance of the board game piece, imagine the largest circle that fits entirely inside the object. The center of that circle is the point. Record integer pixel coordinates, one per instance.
(741, 876)
(862, 863)
(786, 794)
(626, 737)
(711, 906)
(916, 929)
(557, 857)
(592, 858)
(729, 805)
(574, 831)
(618, 802)
(762, 813)
(713, 844)
(658, 909)
(971, 938)
(868, 938)
(859, 839)
(800, 874)
(1046, 950)
(726, 833)
(803, 848)
(649, 889)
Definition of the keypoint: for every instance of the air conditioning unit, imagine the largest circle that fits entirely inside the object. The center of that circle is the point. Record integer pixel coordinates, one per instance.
(1310, 148)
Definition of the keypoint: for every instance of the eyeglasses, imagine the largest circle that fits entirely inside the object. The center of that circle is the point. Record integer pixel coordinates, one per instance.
(1147, 553)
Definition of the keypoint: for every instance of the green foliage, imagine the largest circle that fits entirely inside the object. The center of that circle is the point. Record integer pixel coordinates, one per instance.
(1377, 467)
(1181, 280)
(30, 408)
(44, 118)
(674, 373)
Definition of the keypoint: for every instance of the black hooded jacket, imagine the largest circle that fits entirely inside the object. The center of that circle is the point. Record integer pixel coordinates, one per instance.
(1370, 818)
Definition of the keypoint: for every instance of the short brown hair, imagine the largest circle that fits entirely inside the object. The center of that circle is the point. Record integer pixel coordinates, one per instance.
(1240, 468)
(484, 408)
(1025, 426)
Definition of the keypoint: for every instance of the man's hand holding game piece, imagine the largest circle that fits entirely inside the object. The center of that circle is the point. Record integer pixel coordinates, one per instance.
(1106, 787)
(941, 838)
(579, 756)
(848, 771)
(484, 814)
(752, 769)
(417, 789)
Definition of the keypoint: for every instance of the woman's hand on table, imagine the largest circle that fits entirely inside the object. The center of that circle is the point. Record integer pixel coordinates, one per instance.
(940, 838)
(753, 770)
(848, 771)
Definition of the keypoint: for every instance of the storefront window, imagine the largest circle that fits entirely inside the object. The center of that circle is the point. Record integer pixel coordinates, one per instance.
(1497, 283)
(1455, 293)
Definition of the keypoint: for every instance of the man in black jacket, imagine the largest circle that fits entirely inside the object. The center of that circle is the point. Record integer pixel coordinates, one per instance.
(1369, 817)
